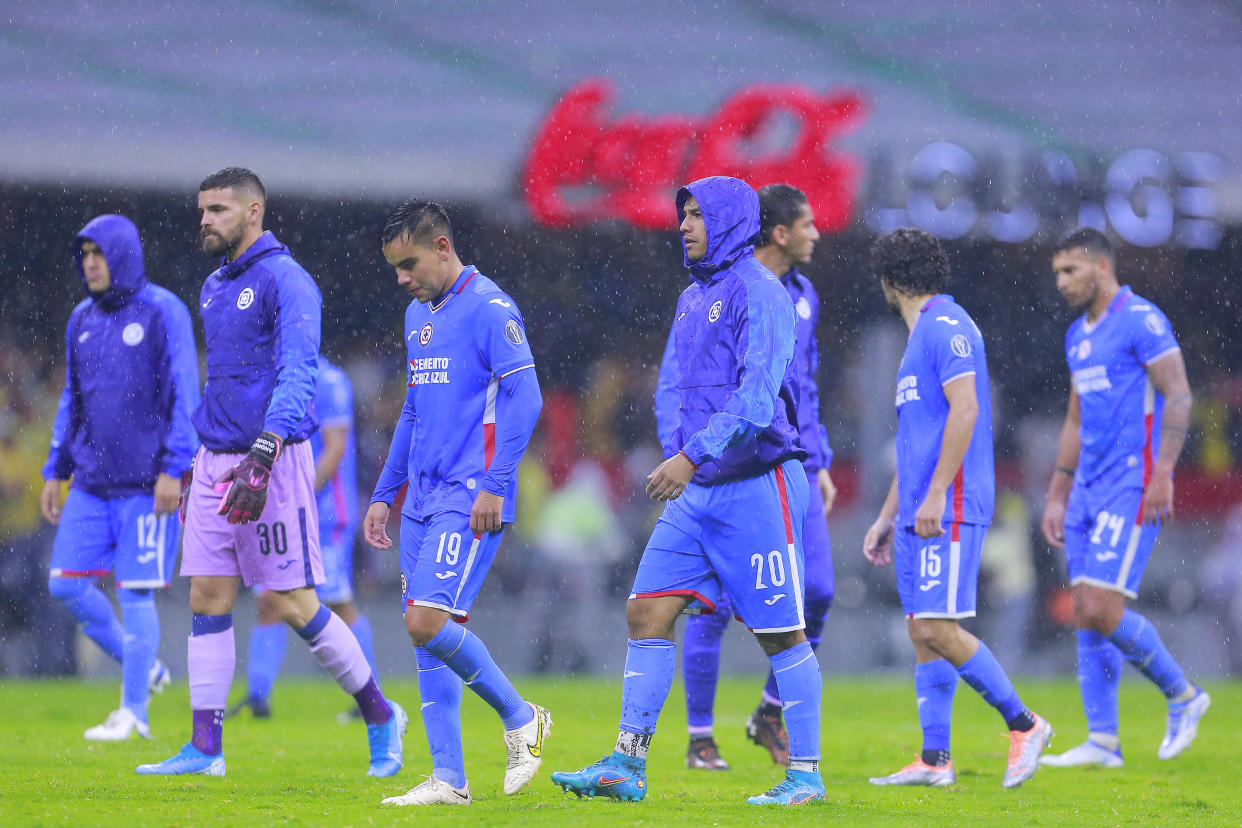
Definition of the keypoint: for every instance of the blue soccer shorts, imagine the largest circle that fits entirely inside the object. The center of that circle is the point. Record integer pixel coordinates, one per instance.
(938, 577)
(1106, 544)
(121, 535)
(336, 548)
(743, 538)
(443, 562)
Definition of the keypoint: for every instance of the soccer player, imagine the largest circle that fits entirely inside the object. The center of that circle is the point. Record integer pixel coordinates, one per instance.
(787, 237)
(261, 315)
(123, 434)
(736, 495)
(472, 404)
(944, 464)
(1129, 408)
(336, 490)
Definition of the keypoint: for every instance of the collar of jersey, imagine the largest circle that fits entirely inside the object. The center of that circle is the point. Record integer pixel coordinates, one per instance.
(459, 285)
(939, 297)
(1122, 295)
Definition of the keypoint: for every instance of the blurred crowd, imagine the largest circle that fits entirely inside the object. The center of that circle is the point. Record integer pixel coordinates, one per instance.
(597, 305)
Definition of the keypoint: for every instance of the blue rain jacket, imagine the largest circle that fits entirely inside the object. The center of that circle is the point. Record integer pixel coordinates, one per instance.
(131, 377)
(733, 337)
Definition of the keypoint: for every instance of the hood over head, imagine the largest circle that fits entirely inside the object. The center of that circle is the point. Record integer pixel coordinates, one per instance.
(118, 238)
(730, 209)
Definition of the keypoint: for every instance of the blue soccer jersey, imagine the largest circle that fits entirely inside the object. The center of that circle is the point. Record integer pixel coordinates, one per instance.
(447, 442)
(1120, 429)
(945, 345)
(338, 499)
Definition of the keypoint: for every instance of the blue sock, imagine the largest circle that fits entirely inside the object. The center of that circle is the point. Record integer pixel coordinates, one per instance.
(361, 629)
(142, 640)
(801, 690)
(934, 685)
(700, 666)
(1099, 676)
(1141, 645)
(649, 666)
(983, 672)
(815, 620)
(92, 610)
(468, 657)
(267, 652)
(440, 689)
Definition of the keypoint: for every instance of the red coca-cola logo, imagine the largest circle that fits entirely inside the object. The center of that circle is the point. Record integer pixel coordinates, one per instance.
(584, 168)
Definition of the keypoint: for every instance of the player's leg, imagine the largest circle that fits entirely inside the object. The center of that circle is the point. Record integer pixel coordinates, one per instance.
(700, 666)
(209, 560)
(440, 690)
(269, 640)
(674, 570)
(451, 566)
(83, 550)
(768, 590)
(337, 592)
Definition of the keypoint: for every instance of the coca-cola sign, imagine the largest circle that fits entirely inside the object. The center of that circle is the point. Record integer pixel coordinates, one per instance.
(586, 166)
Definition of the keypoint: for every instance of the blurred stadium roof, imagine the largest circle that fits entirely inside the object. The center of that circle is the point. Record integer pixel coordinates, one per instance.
(375, 98)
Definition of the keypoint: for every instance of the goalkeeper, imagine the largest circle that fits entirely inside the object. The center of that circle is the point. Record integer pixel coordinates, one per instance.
(250, 510)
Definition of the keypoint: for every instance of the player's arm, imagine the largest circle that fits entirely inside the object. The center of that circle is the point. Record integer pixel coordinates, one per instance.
(181, 440)
(59, 465)
(518, 404)
(1168, 375)
(668, 396)
(766, 334)
(335, 439)
(878, 542)
(959, 428)
(392, 477)
(298, 308)
(1069, 444)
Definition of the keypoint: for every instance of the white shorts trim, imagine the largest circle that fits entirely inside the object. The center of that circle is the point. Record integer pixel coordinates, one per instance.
(947, 616)
(148, 584)
(433, 605)
(801, 626)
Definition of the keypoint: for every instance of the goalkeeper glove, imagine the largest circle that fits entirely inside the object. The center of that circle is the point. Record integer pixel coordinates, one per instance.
(187, 480)
(247, 481)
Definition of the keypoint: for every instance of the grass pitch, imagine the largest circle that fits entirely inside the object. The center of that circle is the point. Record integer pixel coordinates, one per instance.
(302, 768)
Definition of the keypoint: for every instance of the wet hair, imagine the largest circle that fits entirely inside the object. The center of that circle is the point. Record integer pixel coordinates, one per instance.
(1085, 238)
(422, 221)
(234, 178)
(910, 261)
(779, 204)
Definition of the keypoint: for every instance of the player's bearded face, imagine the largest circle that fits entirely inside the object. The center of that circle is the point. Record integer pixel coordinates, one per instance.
(1077, 277)
(802, 237)
(223, 223)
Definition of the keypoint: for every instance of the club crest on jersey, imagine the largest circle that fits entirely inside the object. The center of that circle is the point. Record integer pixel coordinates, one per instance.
(245, 299)
(513, 332)
(1082, 350)
(803, 307)
(133, 334)
(960, 345)
(714, 313)
(424, 336)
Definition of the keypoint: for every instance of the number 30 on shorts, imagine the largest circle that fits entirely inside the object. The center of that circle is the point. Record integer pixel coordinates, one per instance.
(272, 537)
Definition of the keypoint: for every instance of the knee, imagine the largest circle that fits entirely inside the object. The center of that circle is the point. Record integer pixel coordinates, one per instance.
(1099, 612)
(775, 643)
(423, 626)
(926, 634)
(648, 618)
(66, 589)
(134, 597)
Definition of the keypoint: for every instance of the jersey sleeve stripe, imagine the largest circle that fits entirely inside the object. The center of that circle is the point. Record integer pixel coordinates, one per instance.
(957, 377)
(1162, 355)
(515, 370)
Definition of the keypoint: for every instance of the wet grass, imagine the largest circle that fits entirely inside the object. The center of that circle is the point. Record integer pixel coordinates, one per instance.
(303, 768)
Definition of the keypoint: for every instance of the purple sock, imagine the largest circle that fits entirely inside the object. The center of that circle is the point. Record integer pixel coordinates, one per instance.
(374, 707)
(337, 650)
(211, 659)
(208, 734)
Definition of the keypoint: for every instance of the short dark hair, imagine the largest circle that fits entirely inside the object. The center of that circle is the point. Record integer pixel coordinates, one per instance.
(779, 204)
(910, 261)
(234, 178)
(1087, 238)
(423, 221)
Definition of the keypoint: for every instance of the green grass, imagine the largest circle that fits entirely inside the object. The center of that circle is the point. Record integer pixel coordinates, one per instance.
(302, 768)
